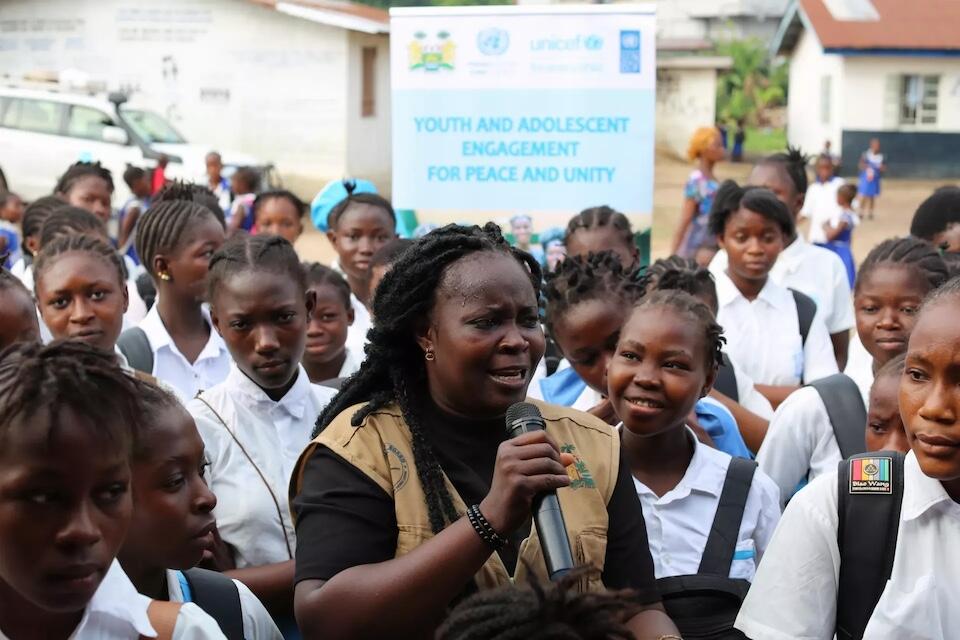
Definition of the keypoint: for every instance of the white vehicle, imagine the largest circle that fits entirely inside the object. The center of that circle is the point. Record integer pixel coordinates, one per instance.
(43, 132)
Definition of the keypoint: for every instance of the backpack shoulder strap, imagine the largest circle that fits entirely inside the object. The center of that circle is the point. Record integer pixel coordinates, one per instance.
(726, 382)
(869, 497)
(722, 541)
(806, 310)
(135, 347)
(848, 417)
(219, 598)
(163, 618)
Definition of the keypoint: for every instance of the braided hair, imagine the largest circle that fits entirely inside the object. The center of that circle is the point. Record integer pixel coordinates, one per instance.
(907, 252)
(70, 220)
(684, 303)
(793, 162)
(581, 278)
(731, 197)
(66, 374)
(317, 275)
(36, 213)
(533, 612)
(10, 281)
(947, 291)
(152, 400)
(80, 170)
(163, 226)
(683, 274)
(191, 192)
(280, 194)
(82, 243)
(937, 213)
(393, 370)
(598, 217)
(261, 253)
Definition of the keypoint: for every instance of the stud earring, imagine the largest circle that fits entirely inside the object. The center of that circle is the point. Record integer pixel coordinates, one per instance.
(164, 276)
(430, 356)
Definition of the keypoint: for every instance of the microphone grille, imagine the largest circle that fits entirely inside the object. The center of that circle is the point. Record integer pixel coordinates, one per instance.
(522, 410)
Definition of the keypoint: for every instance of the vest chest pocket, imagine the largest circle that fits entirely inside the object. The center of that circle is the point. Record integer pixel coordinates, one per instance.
(591, 550)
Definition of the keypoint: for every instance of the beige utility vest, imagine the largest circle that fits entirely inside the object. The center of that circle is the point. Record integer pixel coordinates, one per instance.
(381, 447)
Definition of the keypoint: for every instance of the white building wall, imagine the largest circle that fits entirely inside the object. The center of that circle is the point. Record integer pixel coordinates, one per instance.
(806, 125)
(686, 100)
(230, 74)
(865, 93)
(369, 138)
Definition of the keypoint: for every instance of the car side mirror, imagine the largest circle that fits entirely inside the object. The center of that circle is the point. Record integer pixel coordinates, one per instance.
(115, 135)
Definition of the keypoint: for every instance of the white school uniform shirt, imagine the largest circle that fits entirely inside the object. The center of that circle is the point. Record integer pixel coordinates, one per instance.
(118, 612)
(799, 443)
(257, 623)
(169, 365)
(860, 368)
(351, 364)
(820, 206)
(763, 336)
(749, 398)
(679, 522)
(815, 271)
(794, 594)
(274, 434)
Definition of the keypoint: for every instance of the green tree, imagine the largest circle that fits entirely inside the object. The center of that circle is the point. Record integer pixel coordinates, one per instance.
(752, 85)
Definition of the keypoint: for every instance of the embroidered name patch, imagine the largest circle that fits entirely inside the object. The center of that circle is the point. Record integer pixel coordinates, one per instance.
(871, 475)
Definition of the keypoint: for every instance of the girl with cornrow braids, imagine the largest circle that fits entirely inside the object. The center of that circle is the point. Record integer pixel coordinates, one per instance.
(892, 283)
(412, 495)
(257, 421)
(66, 411)
(814, 271)
(175, 241)
(87, 185)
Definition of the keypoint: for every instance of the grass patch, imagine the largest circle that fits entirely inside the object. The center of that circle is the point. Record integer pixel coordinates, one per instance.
(763, 141)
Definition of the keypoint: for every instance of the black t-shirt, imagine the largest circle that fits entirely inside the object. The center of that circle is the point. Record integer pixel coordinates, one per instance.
(345, 519)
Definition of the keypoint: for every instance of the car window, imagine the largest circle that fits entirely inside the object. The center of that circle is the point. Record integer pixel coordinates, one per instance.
(85, 122)
(40, 116)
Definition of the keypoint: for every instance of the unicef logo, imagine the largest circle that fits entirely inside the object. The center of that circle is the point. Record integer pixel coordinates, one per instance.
(493, 41)
(593, 43)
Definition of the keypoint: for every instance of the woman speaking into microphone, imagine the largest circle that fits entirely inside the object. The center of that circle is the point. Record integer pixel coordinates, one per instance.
(412, 495)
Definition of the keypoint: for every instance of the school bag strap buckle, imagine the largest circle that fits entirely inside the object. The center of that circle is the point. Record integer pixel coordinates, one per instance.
(869, 497)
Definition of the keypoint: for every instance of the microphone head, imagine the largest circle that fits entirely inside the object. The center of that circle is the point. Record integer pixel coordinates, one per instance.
(522, 414)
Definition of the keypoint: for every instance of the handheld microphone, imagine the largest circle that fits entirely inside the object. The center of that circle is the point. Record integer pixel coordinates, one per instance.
(547, 516)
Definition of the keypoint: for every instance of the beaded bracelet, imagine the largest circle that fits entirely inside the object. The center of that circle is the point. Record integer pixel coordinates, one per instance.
(484, 529)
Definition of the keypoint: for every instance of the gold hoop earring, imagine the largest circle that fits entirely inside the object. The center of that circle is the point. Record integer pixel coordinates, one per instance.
(430, 356)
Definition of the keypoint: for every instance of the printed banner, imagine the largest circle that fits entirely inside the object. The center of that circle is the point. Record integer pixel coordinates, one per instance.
(537, 110)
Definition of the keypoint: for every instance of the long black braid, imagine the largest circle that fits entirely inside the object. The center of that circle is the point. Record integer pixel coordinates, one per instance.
(908, 252)
(533, 612)
(596, 276)
(393, 370)
(164, 225)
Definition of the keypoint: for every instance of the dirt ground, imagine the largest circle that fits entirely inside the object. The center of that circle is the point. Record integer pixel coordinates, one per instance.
(895, 208)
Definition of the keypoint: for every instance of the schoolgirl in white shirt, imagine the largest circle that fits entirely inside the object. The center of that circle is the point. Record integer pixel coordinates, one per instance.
(175, 240)
(358, 227)
(327, 356)
(256, 423)
(795, 592)
(759, 317)
(65, 419)
(815, 271)
(820, 204)
(173, 524)
(893, 281)
(666, 360)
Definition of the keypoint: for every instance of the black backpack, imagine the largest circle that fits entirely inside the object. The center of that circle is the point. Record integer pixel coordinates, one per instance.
(218, 596)
(135, 347)
(848, 417)
(869, 517)
(705, 605)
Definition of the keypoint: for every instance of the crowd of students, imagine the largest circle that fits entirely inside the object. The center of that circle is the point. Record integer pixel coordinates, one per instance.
(203, 437)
